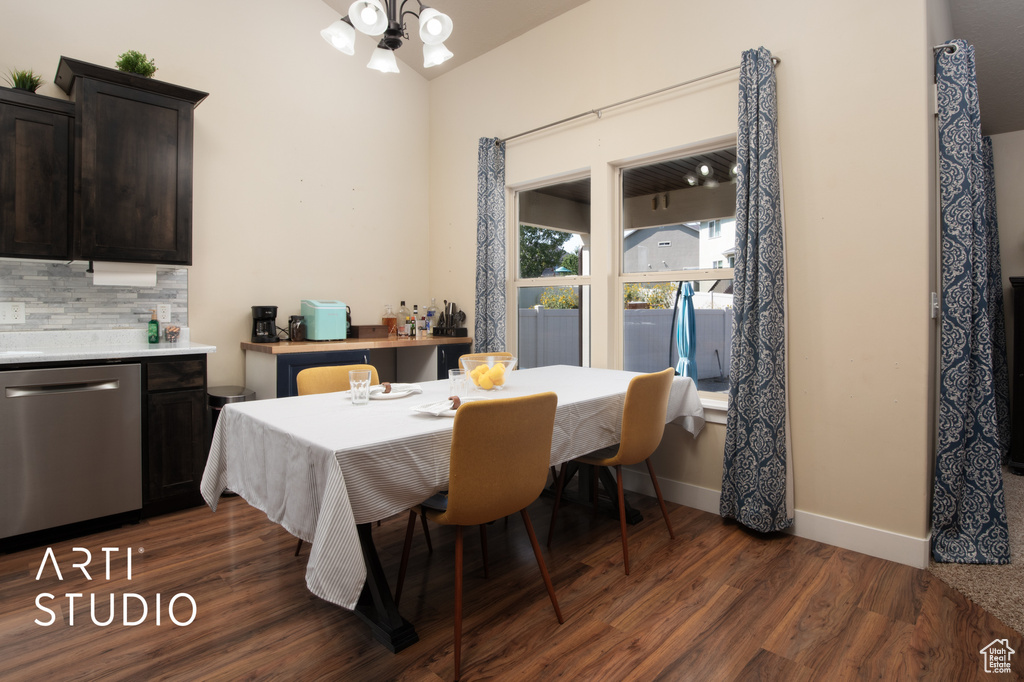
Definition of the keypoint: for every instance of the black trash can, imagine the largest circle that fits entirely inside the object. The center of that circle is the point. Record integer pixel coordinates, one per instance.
(218, 397)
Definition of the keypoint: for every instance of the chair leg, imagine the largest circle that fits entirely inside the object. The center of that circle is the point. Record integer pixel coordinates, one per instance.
(540, 563)
(661, 500)
(298, 547)
(559, 483)
(426, 533)
(595, 474)
(622, 517)
(483, 546)
(405, 555)
(458, 600)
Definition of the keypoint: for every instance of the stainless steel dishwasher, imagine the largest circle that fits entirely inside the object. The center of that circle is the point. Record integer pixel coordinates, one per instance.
(71, 445)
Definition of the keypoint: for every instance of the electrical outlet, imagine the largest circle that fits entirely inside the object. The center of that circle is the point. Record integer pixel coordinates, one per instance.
(12, 313)
(163, 312)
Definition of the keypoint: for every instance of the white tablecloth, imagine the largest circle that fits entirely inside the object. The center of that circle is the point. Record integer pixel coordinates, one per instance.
(318, 465)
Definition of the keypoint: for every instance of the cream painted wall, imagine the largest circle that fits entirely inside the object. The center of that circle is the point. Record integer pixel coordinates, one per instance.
(854, 94)
(310, 170)
(1008, 157)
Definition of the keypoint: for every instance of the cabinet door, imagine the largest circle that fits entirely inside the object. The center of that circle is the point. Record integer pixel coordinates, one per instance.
(135, 152)
(35, 181)
(290, 364)
(175, 458)
(448, 357)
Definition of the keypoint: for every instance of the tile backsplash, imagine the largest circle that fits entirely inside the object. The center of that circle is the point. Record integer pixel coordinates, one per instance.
(60, 296)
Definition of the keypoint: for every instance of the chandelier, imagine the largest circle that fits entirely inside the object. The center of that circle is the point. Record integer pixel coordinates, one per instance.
(387, 18)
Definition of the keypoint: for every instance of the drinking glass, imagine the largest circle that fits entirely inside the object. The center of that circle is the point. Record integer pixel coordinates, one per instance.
(359, 384)
(457, 383)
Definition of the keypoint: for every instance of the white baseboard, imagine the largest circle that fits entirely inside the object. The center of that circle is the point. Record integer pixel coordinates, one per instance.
(875, 542)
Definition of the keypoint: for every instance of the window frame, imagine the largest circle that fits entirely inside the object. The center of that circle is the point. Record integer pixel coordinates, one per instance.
(513, 281)
(617, 319)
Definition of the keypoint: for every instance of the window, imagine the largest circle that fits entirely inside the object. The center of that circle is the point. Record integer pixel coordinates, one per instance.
(552, 275)
(688, 204)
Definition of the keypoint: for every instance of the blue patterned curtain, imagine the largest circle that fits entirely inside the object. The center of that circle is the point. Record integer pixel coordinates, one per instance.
(1001, 378)
(757, 487)
(489, 330)
(968, 509)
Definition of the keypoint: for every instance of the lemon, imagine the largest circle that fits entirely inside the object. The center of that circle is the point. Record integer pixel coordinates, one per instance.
(496, 374)
(485, 383)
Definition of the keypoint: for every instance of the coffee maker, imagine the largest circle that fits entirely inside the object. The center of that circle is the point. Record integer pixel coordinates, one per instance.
(264, 323)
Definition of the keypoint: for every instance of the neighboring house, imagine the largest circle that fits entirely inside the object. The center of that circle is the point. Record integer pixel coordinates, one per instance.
(672, 247)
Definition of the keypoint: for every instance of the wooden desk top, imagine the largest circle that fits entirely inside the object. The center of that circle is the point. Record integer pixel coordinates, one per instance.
(280, 347)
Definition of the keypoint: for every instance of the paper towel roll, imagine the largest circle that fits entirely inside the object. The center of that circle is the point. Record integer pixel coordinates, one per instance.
(124, 274)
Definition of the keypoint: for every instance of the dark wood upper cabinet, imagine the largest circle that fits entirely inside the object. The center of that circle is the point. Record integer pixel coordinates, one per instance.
(36, 165)
(133, 165)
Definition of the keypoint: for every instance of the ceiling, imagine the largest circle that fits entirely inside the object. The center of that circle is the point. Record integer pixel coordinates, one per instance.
(994, 27)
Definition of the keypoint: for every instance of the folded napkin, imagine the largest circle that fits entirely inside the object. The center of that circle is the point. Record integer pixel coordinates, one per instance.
(397, 391)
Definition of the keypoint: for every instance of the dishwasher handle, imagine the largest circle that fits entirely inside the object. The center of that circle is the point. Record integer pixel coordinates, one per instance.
(51, 389)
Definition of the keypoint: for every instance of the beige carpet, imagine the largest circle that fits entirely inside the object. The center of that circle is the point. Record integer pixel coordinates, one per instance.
(997, 589)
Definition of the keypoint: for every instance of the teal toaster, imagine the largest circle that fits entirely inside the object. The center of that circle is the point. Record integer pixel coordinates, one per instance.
(325, 320)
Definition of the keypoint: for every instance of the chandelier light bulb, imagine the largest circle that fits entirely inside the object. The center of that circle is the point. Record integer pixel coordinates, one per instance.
(704, 170)
(369, 14)
(434, 27)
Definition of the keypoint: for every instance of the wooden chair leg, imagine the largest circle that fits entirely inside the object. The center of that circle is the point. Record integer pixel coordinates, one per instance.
(540, 563)
(298, 547)
(595, 474)
(426, 533)
(622, 517)
(409, 527)
(483, 546)
(559, 483)
(458, 600)
(661, 500)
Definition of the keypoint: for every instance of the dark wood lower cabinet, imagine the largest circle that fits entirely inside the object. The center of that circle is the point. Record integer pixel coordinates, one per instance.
(174, 428)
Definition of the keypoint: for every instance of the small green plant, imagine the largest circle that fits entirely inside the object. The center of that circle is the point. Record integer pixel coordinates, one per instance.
(23, 80)
(134, 61)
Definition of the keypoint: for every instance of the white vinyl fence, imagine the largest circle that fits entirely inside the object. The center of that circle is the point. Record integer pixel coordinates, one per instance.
(548, 336)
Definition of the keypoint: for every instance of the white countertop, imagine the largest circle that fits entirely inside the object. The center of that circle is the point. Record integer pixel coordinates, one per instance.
(63, 346)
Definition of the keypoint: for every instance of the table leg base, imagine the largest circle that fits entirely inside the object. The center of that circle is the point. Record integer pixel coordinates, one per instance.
(376, 606)
(394, 638)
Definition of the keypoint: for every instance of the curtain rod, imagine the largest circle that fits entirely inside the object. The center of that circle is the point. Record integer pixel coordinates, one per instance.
(597, 112)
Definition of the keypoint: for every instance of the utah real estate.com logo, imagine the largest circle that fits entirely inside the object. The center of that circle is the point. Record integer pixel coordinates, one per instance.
(997, 656)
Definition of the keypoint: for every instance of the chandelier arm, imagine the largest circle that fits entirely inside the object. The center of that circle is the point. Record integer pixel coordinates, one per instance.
(403, 11)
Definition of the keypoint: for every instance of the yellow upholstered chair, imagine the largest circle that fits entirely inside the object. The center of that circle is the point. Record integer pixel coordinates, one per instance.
(643, 424)
(499, 463)
(329, 379)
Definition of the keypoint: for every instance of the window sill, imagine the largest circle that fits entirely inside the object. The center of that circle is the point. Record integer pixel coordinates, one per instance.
(716, 407)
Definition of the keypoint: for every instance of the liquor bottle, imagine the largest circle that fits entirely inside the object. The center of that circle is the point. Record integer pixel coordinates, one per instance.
(403, 320)
(389, 320)
(431, 316)
(415, 324)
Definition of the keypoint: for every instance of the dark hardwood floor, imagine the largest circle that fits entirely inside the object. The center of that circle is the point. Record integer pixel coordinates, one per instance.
(717, 603)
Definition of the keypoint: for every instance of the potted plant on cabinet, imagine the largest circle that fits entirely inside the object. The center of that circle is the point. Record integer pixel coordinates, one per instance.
(23, 80)
(136, 62)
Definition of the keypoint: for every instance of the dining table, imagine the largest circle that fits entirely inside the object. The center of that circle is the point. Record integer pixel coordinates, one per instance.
(325, 469)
